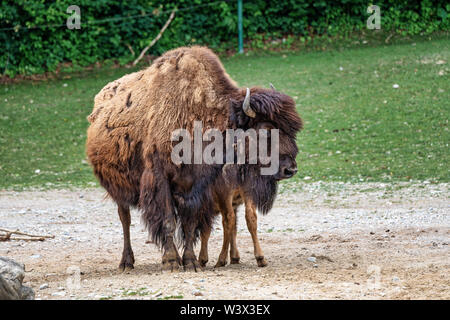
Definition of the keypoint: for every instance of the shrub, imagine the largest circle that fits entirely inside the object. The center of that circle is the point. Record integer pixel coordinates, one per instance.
(34, 38)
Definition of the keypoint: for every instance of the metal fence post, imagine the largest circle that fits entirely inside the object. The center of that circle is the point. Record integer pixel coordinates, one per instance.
(240, 28)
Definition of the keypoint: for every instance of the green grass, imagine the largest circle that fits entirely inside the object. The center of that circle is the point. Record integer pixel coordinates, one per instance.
(357, 126)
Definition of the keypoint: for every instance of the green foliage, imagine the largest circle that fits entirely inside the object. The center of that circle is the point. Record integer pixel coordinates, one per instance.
(111, 27)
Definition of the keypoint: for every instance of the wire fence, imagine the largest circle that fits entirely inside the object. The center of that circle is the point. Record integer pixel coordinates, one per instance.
(155, 12)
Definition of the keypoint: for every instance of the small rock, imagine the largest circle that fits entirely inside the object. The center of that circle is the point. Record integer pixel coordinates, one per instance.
(311, 259)
(43, 286)
(315, 265)
(11, 281)
(35, 256)
(197, 293)
(395, 86)
(58, 294)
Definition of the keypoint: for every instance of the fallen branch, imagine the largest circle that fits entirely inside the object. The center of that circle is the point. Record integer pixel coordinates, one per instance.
(172, 15)
(131, 49)
(389, 37)
(31, 237)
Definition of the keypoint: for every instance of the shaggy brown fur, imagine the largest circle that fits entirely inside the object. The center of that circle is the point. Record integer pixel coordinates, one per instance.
(129, 145)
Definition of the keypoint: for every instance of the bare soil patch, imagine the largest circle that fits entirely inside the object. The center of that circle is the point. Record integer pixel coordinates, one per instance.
(323, 241)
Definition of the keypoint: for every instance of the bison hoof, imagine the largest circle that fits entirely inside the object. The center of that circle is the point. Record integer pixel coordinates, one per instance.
(234, 260)
(170, 265)
(220, 263)
(203, 262)
(191, 265)
(127, 262)
(125, 267)
(261, 261)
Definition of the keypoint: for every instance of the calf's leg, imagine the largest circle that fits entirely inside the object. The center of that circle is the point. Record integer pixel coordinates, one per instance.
(252, 225)
(228, 221)
(234, 253)
(127, 261)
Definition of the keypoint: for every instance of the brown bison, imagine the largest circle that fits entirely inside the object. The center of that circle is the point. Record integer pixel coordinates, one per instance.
(129, 146)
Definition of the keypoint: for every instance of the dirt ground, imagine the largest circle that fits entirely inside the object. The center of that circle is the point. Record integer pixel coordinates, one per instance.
(322, 241)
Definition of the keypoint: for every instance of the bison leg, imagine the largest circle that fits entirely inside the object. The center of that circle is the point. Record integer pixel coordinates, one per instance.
(228, 220)
(127, 261)
(171, 260)
(203, 256)
(158, 213)
(252, 225)
(190, 261)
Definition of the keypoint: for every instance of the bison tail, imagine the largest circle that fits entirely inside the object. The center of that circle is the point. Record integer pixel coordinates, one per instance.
(155, 202)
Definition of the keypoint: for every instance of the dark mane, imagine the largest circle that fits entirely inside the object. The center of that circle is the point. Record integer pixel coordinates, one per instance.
(269, 105)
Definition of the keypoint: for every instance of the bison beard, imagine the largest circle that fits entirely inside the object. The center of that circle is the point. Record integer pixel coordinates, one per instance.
(261, 189)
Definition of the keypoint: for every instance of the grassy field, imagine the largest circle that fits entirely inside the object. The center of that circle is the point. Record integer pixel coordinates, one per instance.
(358, 126)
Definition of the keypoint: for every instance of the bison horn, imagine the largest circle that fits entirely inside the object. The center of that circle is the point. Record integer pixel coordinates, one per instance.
(246, 105)
(271, 86)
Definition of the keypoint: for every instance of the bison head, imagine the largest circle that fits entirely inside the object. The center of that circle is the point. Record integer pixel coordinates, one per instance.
(268, 109)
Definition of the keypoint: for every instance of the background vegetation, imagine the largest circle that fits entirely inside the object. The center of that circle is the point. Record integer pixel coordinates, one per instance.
(359, 126)
(34, 38)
